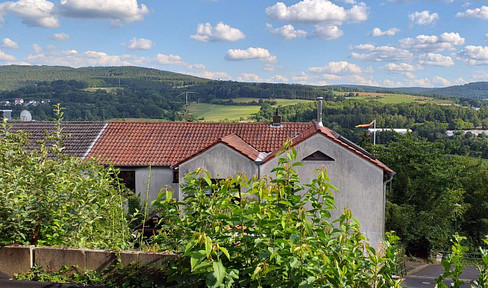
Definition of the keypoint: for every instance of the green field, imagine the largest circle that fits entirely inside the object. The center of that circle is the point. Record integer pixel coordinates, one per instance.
(214, 113)
(398, 98)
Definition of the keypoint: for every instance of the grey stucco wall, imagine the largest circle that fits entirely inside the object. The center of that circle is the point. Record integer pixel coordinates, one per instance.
(221, 162)
(157, 177)
(360, 183)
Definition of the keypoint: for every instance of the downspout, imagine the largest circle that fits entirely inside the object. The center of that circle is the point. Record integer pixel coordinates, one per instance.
(384, 198)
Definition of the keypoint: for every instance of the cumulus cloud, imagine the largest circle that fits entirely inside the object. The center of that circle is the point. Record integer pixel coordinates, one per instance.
(432, 43)
(317, 11)
(60, 36)
(250, 53)
(140, 44)
(400, 68)
(439, 81)
(9, 44)
(474, 55)
(287, 32)
(73, 58)
(278, 79)
(423, 18)
(341, 67)
(35, 13)
(433, 59)
(169, 59)
(327, 32)
(390, 32)
(481, 13)
(5, 57)
(220, 33)
(381, 53)
(249, 77)
(118, 11)
(212, 75)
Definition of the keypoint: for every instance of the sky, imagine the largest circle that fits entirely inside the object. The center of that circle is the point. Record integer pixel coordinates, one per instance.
(389, 43)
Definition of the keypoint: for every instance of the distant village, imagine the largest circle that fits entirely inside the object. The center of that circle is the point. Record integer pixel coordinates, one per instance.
(20, 101)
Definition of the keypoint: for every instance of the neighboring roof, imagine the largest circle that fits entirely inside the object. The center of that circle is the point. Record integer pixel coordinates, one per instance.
(168, 143)
(82, 135)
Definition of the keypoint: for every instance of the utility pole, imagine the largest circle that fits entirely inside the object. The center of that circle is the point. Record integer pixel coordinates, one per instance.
(186, 103)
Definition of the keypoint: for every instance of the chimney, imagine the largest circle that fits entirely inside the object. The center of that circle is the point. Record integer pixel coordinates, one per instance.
(7, 114)
(319, 110)
(276, 119)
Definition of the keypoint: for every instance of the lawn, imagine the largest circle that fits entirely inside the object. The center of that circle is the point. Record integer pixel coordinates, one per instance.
(398, 98)
(214, 113)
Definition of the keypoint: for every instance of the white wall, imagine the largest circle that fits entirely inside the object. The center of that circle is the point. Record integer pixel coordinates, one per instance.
(157, 177)
(360, 183)
(221, 162)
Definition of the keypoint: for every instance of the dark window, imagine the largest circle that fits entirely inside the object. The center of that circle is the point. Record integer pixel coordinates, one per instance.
(318, 156)
(176, 176)
(129, 179)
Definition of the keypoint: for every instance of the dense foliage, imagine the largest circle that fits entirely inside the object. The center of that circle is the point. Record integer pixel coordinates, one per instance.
(267, 233)
(50, 199)
(434, 195)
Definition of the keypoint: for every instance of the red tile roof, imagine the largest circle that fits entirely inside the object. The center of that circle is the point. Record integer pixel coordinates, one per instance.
(171, 143)
(168, 143)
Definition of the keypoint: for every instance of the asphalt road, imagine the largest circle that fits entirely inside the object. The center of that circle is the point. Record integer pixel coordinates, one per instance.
(420, 275)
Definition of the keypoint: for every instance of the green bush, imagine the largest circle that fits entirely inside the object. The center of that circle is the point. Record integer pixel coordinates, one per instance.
(47, 198)
(267, 233)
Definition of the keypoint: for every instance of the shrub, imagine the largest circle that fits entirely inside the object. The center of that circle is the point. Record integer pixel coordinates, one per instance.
(47, 198)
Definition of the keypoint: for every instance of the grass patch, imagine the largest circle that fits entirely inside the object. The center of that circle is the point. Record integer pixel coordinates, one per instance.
(398, 98)
(107, 89)
(215, 113)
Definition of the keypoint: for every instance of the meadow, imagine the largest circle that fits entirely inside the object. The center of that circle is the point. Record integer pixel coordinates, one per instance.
(398, 98)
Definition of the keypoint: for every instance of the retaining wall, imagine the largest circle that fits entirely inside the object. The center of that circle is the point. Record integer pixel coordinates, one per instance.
(20, 259)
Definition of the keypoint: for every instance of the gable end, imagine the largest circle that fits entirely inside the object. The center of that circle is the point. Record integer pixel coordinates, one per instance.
(318, 156)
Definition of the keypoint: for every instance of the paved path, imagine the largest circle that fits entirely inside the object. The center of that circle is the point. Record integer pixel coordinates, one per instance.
(421, 275)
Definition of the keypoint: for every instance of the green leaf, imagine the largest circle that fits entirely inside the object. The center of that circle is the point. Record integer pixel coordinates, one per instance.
(208, 246)
(226, 253)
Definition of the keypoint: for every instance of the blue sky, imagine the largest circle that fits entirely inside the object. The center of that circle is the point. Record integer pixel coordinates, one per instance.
(389, 43)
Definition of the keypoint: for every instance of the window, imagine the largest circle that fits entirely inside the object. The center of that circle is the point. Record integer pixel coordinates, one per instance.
(318, 156)
(129, 179)
(176, 176)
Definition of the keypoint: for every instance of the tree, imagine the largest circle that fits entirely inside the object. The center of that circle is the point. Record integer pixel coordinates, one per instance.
(47, 198)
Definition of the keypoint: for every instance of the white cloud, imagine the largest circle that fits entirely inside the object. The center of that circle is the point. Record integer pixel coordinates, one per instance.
(439, 81)
(423, 18)
(35, 13)
(327, 32)
(169, 59)
(317, 11)
(37, 48)
(479, 76)
(287, 32)
(390, 32)
(481, 13)
(278, 79)
(118, 11)
(381, 53)
(5, 57)
(432, 43)
(213, 75)
(73, 58)
(250, 77)
(433, 59)
(220, 33)
(250, 53)
(401, 68)
(140, 44)
(474, 55)
(341, 67)
(9, 44)
(60, 36)
(196, 67)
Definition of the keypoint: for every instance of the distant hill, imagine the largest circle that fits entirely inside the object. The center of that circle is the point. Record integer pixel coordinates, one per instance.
(477, 90)
(16, 76)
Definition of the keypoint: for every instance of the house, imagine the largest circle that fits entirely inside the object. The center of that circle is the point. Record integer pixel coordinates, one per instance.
(152, 155)
(18, 101)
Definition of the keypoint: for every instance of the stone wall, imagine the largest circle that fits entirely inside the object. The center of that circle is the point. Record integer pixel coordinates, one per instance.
(20, 259)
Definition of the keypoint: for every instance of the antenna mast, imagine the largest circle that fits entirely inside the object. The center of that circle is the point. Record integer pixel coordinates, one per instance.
(186, 103)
